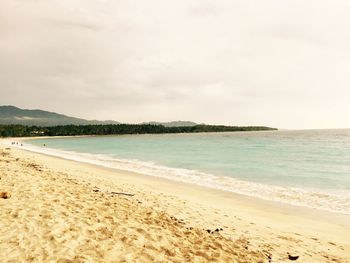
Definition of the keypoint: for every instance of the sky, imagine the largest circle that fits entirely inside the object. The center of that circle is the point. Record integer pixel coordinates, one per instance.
(279, 63)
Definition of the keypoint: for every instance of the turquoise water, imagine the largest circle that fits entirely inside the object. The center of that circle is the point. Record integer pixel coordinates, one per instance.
(308, 168)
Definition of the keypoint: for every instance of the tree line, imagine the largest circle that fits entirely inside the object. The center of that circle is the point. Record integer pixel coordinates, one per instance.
(116, 129)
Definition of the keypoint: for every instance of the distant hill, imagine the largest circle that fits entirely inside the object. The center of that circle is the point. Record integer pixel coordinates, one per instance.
(54, 124)
(14, 115)
(173, 123)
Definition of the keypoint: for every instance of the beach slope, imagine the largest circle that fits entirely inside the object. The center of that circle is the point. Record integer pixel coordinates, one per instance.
(49, 216)
(64, 211)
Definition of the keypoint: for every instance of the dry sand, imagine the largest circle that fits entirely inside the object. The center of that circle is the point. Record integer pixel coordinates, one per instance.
(55, 210)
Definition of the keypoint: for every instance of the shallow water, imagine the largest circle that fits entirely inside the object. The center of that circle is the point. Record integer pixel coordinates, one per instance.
(307, 168)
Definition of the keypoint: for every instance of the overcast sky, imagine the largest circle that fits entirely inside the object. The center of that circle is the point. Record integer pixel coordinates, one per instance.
(280, 63)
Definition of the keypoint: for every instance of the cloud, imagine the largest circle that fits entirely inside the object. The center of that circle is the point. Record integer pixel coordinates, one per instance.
(272, 62)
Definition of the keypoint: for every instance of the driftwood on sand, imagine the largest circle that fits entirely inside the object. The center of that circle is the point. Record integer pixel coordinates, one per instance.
(120, 193)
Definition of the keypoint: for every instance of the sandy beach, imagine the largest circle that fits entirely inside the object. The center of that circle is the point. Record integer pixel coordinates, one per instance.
(56, 210)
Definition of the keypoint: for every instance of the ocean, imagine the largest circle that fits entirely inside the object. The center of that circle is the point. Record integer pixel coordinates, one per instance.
(308, 168)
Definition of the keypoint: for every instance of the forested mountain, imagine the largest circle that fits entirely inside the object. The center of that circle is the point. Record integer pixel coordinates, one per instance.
(14, 115)
(16, 122)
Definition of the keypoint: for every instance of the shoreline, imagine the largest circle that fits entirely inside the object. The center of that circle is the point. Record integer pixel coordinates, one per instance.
(262, 221)
(253, 201)
(296, 206)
